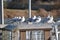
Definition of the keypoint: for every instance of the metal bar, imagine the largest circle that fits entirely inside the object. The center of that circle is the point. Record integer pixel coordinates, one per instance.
(2, 13)
(11, 35)
(56, 32)
(30, 35)
(29, 9)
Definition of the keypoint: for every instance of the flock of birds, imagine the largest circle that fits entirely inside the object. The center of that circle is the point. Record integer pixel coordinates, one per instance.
(34, 19)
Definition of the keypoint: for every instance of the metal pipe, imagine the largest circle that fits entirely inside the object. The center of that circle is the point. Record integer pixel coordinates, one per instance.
(2, 13)
(29, 9)
(11, 35)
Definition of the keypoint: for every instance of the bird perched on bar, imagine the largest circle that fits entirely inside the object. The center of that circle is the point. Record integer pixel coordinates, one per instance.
(44, 20)
(19, 18)
(32, 19)
(23, 19)
(51, 20)
(14, 19)
(38, 19)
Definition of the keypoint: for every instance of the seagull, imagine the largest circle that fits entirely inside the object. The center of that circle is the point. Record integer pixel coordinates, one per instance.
(38, 19)
(23, 19)
(19, 17)
(29, 19)
(44, 20)
(34, 17)
(13, 19)
(51, 20)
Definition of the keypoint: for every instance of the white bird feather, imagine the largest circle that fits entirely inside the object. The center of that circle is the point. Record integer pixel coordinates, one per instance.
(23, 19)
(51, 20)
(38, 19)
(34, 17)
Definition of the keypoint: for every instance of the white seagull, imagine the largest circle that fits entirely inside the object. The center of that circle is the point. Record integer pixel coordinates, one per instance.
(38, 19)
(51, 20)
(19, 17)
(23, 19)
(34, 17)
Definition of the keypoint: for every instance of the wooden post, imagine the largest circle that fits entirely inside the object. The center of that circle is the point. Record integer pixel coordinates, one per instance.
(47, 34)
(22, 35)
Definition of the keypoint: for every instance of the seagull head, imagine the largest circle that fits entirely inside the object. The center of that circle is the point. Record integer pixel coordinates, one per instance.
(23, 17)
(51, 17)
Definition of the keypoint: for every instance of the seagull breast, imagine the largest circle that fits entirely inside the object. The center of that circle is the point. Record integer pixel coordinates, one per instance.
(23, 19)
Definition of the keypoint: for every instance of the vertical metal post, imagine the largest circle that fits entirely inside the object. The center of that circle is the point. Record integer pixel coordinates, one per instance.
(11, 35)
(18, 34)
(30, 35)
(2, 13)
(29, 9)
(56, 30)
